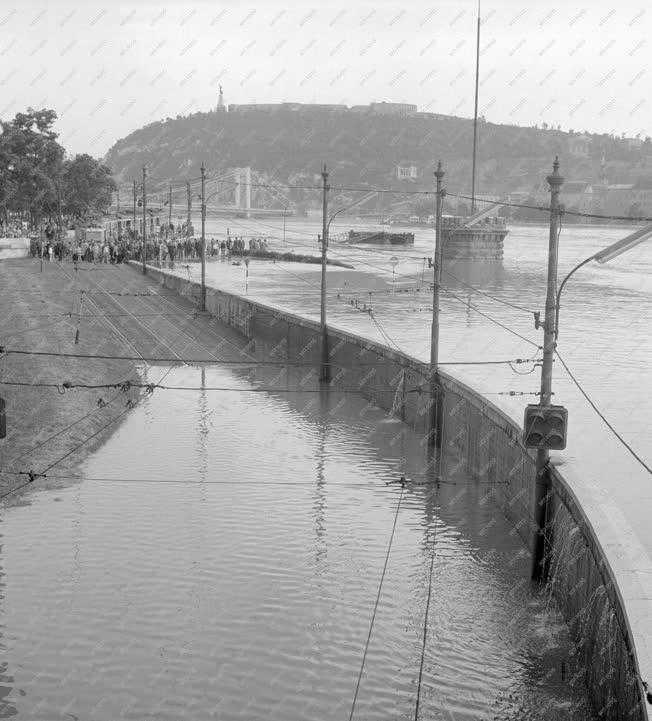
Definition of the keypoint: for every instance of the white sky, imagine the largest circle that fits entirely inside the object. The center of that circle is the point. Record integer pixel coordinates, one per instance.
(108, 69)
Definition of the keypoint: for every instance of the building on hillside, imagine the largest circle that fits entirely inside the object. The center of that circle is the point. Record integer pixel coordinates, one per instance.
(249, 107)
(578, 195)
(428, 115)
(634, 143)
(392, 108)
(286, 107)
(407, 171)
(579, 145)
(631, 199)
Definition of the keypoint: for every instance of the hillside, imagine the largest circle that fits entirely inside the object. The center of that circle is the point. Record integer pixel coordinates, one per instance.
(364, 150)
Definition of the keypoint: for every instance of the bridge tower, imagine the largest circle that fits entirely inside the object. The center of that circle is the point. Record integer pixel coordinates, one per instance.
(239, 175)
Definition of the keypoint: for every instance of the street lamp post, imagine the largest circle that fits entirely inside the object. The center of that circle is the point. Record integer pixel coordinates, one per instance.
(204, 201)
(540, 561)
(325, 368)
(325, 365)
(551, 327)
(434, 432)
(604, 256)
(203, 238)
(144, 221)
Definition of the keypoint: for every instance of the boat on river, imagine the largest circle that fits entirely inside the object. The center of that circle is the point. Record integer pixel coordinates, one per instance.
(381, 237)
(480, 235)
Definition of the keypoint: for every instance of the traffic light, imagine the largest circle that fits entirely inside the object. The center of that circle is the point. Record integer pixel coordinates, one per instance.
(3, 418)
(545, 427)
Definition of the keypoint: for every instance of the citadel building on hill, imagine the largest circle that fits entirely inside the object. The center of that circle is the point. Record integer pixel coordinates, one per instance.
(382, 108)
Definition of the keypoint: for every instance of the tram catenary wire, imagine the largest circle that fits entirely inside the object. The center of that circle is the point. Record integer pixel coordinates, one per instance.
(124, 386)
(181, 330)
(390, 191)
(402, 275)
(376, 604)
(63, 430)
(130, 405)
(242, 362)
(427, 611)
(386, 337)
(33, 475)
(472, 307)
(445, 290)
(601, 415)
(546, 209)
(256, 483)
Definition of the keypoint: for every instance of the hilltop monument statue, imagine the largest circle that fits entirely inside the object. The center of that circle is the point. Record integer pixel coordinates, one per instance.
(220, 103)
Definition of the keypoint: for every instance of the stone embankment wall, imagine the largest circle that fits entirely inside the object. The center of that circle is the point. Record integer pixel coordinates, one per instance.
(488, 444)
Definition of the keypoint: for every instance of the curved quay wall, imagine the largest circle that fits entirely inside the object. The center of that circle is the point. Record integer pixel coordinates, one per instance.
(488, 444)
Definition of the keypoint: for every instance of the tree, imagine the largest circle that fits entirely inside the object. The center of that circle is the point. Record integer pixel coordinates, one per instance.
(87, 187)
(30, 165)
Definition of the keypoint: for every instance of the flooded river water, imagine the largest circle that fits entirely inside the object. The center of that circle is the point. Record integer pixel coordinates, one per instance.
(222, 554)
(604, 335)
(232, 573)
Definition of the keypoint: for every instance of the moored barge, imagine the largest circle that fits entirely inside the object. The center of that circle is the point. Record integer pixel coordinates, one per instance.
(381, 237)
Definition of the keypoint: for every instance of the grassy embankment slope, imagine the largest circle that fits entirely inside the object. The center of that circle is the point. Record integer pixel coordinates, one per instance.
(123, 313)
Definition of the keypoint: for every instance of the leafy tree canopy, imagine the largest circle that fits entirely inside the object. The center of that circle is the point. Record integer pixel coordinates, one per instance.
(37, 182)
(87, 187)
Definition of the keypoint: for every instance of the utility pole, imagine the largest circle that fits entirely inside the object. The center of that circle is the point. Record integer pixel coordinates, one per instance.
(117, 201)
(541, 562)
(135, 228)
(434, 430)
(475, 114)
(170, 208)
(203, 237)
(144, 221)
(189, 203)
(324, 374)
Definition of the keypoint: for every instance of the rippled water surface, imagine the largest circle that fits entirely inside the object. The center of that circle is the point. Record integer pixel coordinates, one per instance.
(232, 574)
(604, 332)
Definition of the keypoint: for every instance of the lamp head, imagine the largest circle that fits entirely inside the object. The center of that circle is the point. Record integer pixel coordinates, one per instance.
(623, 245)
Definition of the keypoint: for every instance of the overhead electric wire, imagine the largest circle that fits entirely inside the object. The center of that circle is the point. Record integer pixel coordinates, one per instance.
(33, 475)
(426, 613)
(488, 317)
(488, 295)
(66, 428)
(237, 482)
(601, 415)
(127, 385)
(415, 275)
(444, 290)
(244, 362)
(51, 323)
(373, 616)
(546, 209)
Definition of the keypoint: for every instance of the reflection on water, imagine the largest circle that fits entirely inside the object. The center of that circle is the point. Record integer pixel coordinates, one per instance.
(604, 330)
(233, 575)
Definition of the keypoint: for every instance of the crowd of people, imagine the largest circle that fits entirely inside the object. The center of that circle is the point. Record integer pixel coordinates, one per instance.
(13, 229)
(167, 245)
